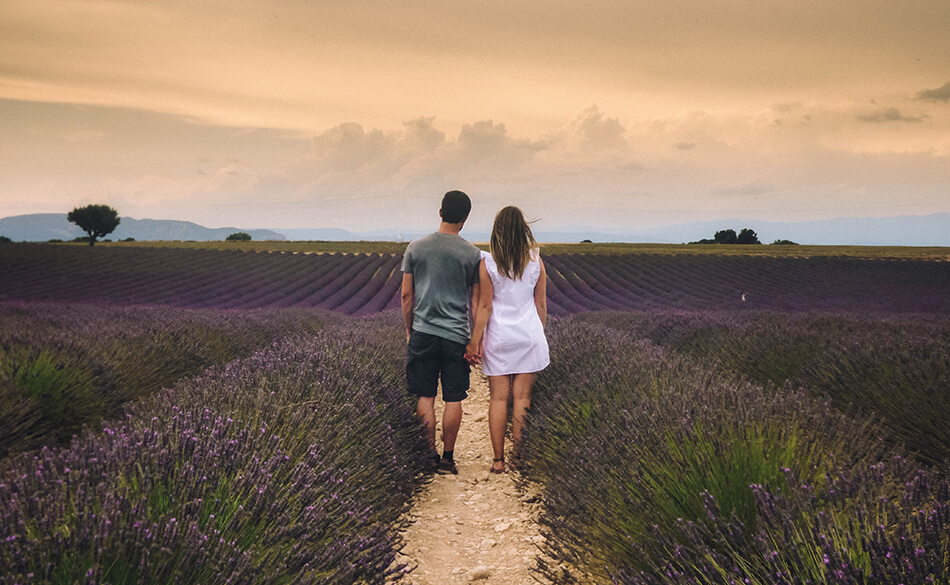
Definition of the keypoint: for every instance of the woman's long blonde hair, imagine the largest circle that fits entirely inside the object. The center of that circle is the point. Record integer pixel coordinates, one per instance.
(511, 242)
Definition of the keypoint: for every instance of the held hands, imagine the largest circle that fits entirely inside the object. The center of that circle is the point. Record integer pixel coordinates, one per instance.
(473, 353)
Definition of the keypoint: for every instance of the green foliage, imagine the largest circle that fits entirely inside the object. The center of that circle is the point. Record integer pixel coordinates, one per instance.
(296, 464)
(95, 220)
(726, 237)
(65, 367)
(729, 236)
(63, 387)
(784, 243)
(629, 439)
(748, 236)
(238, 237)
(894, 369)
(5, 240)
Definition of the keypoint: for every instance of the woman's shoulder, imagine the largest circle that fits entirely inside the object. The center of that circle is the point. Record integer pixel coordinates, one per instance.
(489, 261)
(534, 254)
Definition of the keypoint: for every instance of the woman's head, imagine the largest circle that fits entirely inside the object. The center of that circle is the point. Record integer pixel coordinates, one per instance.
(511, 242)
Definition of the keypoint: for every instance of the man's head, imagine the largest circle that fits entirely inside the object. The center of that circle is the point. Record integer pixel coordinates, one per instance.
(455, 207)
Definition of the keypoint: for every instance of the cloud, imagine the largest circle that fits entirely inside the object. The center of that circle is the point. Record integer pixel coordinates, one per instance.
(890, 115)
(941, 94)
(598, 132)
(421, 134)
(349, 148)
(486, 140)
(590, 133)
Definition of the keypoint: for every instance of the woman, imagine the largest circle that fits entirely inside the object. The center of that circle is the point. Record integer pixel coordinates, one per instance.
(508, 336)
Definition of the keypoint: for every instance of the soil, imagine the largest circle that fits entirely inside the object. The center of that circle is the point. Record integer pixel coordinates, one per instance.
(474, 527)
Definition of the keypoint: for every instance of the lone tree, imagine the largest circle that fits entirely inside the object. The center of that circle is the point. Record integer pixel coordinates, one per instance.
(238, 237)
(95, 220)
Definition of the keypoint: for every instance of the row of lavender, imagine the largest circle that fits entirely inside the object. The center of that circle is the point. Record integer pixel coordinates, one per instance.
(361, 284)
(353, 284)
(580, 283)
(662, 461)
(895, 368)
(293, 465)
(66, 366)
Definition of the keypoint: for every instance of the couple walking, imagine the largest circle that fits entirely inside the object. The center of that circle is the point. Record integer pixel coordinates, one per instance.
(442, 274)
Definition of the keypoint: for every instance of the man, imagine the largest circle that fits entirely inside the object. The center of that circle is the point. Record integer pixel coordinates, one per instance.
(440, 275)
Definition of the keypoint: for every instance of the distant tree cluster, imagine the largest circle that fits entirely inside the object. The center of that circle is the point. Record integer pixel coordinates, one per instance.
(5, 240)
(784, 243)
(238, 237)
(746, 236)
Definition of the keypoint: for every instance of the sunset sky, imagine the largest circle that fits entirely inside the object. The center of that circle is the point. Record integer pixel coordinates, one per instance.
(359, 115)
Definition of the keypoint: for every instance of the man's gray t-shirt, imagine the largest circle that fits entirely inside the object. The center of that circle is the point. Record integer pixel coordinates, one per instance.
(444, 267)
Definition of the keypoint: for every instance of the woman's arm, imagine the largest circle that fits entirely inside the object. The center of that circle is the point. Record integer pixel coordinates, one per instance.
(541, 295)
(485, 294)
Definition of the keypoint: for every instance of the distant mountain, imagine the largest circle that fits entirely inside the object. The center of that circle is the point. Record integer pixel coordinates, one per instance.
(41, 227)
(338, 235)
(908, 230)
(327, 235)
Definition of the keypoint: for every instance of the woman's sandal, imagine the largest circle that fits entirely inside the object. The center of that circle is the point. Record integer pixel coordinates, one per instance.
(498, 471)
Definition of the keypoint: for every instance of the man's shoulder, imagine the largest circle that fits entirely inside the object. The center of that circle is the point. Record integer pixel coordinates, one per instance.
(421, 242)
(440, 241)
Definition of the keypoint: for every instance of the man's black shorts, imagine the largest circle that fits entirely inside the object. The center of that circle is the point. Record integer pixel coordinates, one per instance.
(431, 355)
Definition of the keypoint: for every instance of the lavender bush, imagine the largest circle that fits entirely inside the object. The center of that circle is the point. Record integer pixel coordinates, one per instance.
(656, 467)
(893, 367)
(290, 466)
(65, 366)
(883, 524)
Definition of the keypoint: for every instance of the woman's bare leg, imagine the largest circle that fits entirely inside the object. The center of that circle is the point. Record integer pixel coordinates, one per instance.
(521, 388)
(500, 388)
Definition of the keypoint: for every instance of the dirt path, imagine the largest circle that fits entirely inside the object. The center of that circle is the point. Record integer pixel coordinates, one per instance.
(474, 526)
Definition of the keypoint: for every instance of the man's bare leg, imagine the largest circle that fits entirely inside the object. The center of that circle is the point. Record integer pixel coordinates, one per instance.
(451, 422)
(425, 411)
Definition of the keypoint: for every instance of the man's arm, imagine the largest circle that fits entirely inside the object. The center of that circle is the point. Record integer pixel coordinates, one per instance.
(408, 299)
(482, 293)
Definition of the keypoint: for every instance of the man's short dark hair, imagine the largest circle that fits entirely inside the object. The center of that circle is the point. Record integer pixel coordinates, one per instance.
(455, 207)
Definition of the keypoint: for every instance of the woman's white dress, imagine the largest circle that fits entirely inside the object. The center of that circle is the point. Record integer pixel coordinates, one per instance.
(514, 341)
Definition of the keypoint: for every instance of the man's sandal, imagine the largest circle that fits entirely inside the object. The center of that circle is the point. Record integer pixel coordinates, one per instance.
(497, 471)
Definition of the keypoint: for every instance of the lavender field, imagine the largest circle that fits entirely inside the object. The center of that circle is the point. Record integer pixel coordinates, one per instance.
(290, 465)
(363, 284)
(666, 453)
(204, 416)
